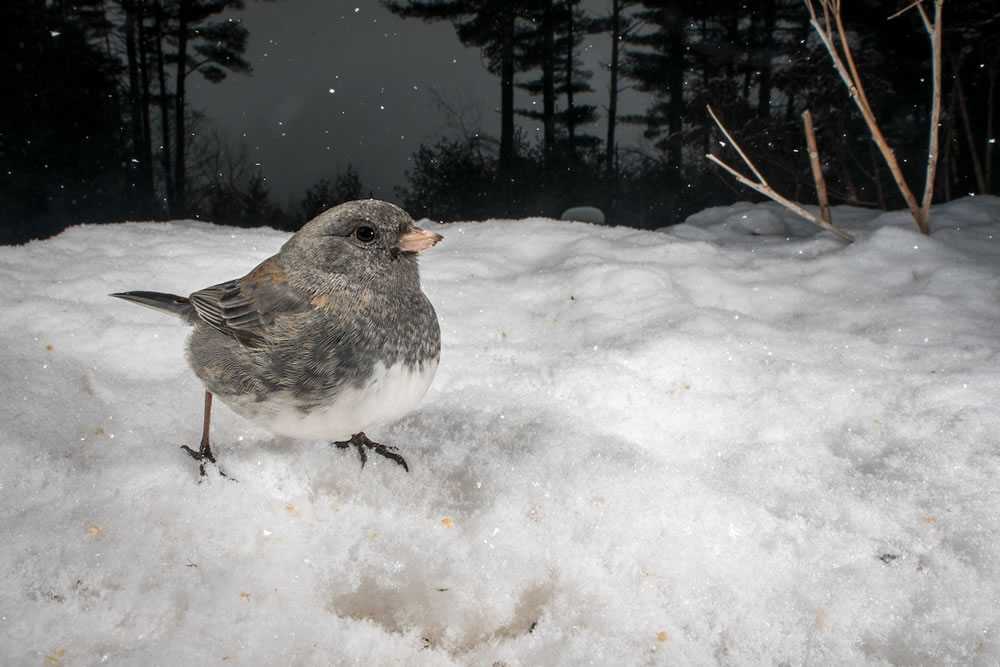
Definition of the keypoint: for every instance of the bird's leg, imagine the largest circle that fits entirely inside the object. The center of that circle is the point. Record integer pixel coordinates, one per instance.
(360, 442)
(204, 451)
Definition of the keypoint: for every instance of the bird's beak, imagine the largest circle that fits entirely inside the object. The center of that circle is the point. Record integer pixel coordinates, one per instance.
(416, 239)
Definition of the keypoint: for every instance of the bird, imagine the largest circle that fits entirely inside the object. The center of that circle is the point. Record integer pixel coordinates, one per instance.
(323, 340)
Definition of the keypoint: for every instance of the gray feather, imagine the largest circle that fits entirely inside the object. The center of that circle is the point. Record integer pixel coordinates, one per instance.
(178, 306)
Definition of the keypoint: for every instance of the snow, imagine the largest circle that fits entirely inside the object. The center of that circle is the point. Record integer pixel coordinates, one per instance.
(734, 441)
(583, 214)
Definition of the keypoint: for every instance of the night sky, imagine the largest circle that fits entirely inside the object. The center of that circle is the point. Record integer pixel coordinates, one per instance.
(338, 83)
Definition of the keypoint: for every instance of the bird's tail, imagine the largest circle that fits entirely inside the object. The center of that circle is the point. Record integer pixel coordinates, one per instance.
(168, 303)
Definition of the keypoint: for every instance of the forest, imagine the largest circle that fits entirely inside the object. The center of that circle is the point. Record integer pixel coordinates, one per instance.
(96, 124)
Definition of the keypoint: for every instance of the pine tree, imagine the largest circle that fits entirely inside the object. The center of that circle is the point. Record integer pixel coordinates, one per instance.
(619, 25)
(166, 41)
(60, 157)
(551, 46)
(490, 25)
(343, 187)
(972, 47)
(139, 112)
(216, 47)
(658, 66)
(575, 79)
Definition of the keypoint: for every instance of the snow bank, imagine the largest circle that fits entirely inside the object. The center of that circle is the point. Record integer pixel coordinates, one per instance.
(736, 441)
(584, 214)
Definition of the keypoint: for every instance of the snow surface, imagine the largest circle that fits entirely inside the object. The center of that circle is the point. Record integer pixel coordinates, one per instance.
(736, 441)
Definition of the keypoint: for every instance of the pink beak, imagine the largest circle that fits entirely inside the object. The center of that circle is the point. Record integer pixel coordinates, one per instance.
(416, 239)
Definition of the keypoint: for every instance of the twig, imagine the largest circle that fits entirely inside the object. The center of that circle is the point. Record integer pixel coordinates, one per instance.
(739, 150)
(932, 150)
(849, 74)
(905, 9)
(817, 169)
(763, 188)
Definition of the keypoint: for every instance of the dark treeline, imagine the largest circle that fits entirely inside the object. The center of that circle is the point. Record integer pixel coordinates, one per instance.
(95, 123)
(758, 63)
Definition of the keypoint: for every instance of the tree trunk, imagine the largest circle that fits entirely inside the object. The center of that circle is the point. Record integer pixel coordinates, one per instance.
(731, 23)
(138, 98)
(990, 107)
(750, 59)
(164, 103)
(708, 67)
(180, 135)
(876, 178)
(570, 117)
(145, 100)
(764, 80)
(134, 93)
(946, 158)
(609, 145)
(677, 107)
(548, 82)
(506, 158)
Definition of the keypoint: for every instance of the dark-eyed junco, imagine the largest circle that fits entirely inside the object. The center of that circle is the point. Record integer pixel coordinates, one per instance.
(325, 339)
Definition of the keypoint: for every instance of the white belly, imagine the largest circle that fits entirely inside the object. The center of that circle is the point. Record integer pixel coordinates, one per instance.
(390, 394)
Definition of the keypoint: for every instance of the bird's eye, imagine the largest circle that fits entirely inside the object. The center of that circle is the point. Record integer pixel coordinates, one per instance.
(365, 234)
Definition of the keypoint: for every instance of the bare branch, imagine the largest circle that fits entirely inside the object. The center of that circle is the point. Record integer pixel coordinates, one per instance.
(932, 149)
(817, 169)
(915, 3)
(927, 21)
(763, 188)
(739, 150)
(849, 74)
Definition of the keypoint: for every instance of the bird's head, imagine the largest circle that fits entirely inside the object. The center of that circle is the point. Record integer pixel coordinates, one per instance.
(361, 241)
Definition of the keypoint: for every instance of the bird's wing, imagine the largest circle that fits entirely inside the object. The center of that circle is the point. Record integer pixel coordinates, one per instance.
(242, 308)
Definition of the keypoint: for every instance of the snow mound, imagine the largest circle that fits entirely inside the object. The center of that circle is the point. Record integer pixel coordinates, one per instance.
(584, 214)
(727, 442)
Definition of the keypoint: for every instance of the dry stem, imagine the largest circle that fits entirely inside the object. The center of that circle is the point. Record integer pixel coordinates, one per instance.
(849, 74)
(934, 30)
(817, 169)
(761, 185)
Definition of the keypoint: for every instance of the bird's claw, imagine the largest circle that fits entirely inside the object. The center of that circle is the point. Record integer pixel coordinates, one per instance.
(204, 455)
(361, 442)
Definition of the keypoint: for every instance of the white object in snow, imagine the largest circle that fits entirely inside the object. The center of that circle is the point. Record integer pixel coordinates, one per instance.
(584, 214)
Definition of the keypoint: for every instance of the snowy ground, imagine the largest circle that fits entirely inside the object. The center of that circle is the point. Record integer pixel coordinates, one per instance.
(704, 446)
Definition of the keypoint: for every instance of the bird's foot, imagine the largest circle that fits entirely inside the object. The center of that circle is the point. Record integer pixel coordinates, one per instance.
(204, 455)
(361, 442)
